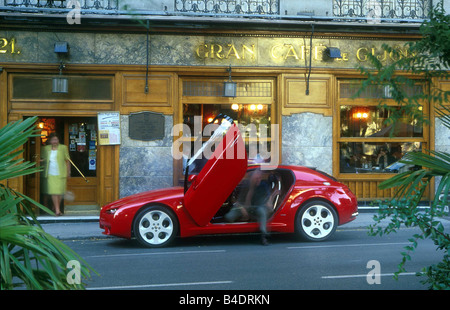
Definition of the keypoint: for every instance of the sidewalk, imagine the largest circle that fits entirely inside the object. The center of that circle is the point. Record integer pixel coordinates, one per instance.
(87, 227)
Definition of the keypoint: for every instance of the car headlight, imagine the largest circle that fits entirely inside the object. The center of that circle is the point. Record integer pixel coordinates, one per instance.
(111, 211)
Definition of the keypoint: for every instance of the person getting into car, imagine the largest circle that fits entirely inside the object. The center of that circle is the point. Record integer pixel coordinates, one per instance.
(257, 204)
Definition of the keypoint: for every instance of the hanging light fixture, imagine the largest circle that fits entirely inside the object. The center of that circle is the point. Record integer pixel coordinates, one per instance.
(229, 87)
(60, 84)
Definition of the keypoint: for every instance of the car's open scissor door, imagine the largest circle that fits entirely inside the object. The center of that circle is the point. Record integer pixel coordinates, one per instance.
(220, 175)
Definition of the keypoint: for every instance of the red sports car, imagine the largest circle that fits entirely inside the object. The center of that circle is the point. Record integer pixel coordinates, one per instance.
(304, 201)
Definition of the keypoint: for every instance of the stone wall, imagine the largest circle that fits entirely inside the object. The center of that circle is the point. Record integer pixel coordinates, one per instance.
(145, 165)
(307, 140)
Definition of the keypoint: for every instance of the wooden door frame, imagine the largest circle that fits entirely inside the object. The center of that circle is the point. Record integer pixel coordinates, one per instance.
(107, 159)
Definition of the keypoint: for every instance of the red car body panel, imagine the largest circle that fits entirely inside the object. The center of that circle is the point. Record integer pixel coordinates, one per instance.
(308, 184)
(120, 222)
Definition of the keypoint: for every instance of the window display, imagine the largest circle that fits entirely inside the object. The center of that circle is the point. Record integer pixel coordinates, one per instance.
(254, 118)
(373, 132)
(371, 121)
(383, 157)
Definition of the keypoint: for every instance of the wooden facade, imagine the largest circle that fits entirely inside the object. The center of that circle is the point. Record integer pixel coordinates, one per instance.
(165, 95)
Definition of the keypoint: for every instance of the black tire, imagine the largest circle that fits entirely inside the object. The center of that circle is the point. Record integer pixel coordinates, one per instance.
(316, 221)
(155, 226)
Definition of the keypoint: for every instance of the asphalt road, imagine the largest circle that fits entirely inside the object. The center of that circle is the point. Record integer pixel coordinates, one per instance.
(239, 262)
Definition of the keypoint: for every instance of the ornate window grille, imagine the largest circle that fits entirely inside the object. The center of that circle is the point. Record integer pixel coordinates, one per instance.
(253, 7)
(401, 9)
(62, 4)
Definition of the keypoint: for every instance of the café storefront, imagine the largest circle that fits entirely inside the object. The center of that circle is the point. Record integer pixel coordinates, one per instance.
(290, 83)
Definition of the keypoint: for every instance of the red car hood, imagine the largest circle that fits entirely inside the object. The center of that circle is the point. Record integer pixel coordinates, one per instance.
(149, 196)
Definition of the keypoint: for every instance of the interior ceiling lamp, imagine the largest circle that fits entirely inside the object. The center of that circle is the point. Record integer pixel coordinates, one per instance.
(60, 84)
(229, 87)
(333, 52)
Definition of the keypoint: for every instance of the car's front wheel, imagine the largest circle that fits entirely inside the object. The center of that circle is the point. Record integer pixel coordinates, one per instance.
(155, 226)
(316, 221)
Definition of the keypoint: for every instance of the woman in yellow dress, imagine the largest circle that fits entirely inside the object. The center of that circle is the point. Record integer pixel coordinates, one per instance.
(57, 170)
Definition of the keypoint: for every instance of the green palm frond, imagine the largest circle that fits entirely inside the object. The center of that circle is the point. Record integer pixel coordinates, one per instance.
(12, 137)
(433, 164)
(29, 256)
(443, 112)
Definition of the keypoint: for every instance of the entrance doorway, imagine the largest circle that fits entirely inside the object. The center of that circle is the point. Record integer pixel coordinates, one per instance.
(79, 134)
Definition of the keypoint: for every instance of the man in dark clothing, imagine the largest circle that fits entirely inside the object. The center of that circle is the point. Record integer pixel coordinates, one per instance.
(258, 202)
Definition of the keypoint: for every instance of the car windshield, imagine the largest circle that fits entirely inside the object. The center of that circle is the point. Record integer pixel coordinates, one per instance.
(199, 157)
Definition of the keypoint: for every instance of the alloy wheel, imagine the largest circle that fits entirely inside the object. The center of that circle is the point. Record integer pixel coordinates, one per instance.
(155, 227)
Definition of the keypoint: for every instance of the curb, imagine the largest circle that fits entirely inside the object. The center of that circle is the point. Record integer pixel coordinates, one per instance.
(67, 219)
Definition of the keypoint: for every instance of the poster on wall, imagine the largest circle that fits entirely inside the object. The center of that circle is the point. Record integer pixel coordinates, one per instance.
(108, 128)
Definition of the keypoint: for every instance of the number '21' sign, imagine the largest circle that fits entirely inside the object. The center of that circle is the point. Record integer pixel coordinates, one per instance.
(8, 46)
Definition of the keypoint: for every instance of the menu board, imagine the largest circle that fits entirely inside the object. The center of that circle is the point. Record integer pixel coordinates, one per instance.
(108, 128)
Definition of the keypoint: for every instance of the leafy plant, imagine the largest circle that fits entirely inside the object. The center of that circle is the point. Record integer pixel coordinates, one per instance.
(428, 60)
(29, 256)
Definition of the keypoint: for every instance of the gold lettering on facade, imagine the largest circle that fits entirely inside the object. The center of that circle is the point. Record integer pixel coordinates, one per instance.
(302, 52)
(274, 52)
(343, 58)
(8, 46)
(3, 43)
(288, 51)
(225, 51)
(232, 52)
(217, 52)
(382, 55)
(245, 48)
(318, 50)
(361, 54)
(201, 51)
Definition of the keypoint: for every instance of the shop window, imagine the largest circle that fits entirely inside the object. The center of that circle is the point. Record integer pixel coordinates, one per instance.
(375, 157)
(371, 121)
(255, 119)
(366, 141)
(251, 109)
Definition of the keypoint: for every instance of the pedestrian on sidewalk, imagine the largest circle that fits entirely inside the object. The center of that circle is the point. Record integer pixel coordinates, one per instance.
(56, 170)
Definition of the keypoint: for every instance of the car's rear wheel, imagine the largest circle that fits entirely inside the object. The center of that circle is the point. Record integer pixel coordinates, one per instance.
(316, 221)
(155, 226)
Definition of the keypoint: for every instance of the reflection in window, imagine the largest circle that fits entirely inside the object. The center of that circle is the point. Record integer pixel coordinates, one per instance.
(253, 120)
(364, 157)
(243, 114)
(370, 121)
